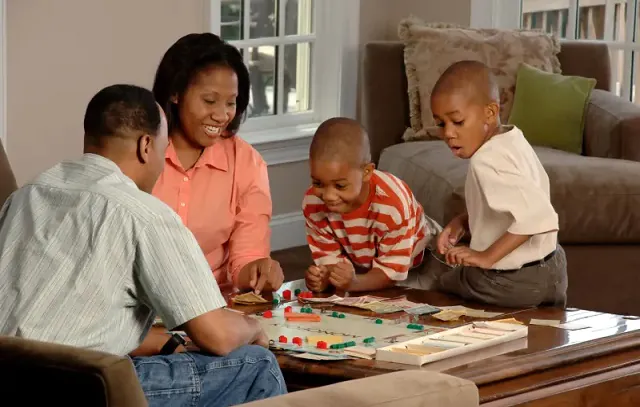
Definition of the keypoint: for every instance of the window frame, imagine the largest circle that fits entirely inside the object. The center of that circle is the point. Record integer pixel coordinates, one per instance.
(495, 13)
(335, 56)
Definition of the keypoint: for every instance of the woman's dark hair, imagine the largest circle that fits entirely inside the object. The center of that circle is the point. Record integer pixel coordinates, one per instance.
(184, 60)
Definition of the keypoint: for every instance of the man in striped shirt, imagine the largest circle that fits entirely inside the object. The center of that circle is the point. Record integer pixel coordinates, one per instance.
(88, 258)
(359, 217)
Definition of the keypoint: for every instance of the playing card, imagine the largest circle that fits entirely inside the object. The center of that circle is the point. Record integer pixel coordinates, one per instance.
(248, 299)
(423, 309)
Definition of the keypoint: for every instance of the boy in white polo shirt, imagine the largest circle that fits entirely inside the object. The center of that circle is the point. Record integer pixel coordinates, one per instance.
(513, 258)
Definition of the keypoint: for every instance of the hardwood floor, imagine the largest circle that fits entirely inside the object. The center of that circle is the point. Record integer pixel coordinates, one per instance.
(294, 261)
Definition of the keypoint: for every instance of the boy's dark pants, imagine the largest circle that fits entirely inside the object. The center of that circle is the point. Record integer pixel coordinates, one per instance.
(544, 283)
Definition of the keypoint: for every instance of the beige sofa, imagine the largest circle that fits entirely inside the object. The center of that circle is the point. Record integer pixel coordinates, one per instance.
(597, 196)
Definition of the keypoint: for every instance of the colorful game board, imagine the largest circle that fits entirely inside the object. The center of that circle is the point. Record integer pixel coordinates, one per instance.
(335, 334)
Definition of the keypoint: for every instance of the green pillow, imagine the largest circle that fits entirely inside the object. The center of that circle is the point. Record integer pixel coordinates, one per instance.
(550, 108)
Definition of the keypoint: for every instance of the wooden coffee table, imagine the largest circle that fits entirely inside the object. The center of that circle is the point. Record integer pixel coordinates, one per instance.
(551, 367)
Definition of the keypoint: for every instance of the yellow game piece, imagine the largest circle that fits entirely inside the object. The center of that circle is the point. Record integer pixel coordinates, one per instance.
(328, 339)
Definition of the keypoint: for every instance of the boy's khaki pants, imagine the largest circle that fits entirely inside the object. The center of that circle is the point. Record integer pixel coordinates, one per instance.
(544, 283)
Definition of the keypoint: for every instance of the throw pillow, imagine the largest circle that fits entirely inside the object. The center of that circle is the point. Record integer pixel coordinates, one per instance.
(432, 48)
(550, 108)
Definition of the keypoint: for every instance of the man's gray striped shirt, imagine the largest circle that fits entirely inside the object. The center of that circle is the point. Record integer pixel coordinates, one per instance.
(87, 259)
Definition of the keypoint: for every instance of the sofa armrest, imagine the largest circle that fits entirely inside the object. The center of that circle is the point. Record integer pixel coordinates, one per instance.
(612, 127)
(406, 388)
(67, 375)
(7, 179)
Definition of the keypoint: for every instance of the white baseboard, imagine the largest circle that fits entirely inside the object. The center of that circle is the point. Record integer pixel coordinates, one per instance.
(287, 230)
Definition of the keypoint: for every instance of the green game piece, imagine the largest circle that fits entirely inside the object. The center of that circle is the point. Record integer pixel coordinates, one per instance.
(335, 346)
(379, 321)
(342, 316)
(297, 291)
(334, 314)
(370, 339)
(348, 344)
(303, 310)
(414, 326)
(275, 301)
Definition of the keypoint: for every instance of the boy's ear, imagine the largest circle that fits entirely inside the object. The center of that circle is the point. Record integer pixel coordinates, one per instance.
(368, 171)
(492, 113)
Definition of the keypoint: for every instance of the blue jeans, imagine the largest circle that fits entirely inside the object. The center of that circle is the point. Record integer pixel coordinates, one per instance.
(196, 379)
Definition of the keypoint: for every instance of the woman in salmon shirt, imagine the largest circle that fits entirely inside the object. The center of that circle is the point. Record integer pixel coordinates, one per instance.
(214, 180)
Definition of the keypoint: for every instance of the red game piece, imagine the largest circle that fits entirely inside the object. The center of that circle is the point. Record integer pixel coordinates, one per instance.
(297, 340)
(282, 339)
(288, 309)
(286, 294)
(321, 345)
(306, 294)
(267, 314)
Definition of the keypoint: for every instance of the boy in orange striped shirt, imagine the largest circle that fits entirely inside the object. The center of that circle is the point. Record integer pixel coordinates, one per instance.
(358, 217)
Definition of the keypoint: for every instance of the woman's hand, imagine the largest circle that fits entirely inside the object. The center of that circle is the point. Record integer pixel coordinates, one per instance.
(263, 274)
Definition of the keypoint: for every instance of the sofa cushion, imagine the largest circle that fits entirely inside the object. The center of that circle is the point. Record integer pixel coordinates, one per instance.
(430, 50)
(597, 199)
(550, 108)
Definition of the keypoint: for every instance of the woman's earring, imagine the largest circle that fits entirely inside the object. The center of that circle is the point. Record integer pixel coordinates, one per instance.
(486, 127)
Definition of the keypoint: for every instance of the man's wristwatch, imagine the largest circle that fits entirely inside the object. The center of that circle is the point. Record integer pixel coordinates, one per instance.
(172, 344)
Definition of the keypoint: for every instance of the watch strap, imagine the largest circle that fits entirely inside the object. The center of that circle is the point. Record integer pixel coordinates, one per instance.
(172, 344)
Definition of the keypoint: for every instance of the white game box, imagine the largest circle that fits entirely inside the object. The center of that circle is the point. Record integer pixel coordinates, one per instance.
(452, 342)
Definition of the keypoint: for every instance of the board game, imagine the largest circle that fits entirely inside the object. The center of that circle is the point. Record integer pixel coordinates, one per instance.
(335, 334)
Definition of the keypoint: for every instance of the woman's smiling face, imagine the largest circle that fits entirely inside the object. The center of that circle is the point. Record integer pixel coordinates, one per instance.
(208, 105)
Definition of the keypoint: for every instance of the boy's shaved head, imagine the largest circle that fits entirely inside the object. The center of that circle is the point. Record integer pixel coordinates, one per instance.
(465, 102)
(470, 77)
(341, 139)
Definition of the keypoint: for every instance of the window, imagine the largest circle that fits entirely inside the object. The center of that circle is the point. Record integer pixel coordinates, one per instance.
(298, 56)
(613, 22)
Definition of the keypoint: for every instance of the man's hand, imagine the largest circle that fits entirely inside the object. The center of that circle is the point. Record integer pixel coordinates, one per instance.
(465, 256)
(262, 339)
(317, 278)
(263, 274)
(341, 275)
(452, 233)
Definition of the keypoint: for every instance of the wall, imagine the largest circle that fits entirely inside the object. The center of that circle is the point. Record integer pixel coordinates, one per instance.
(379, 19)
(59, 53)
